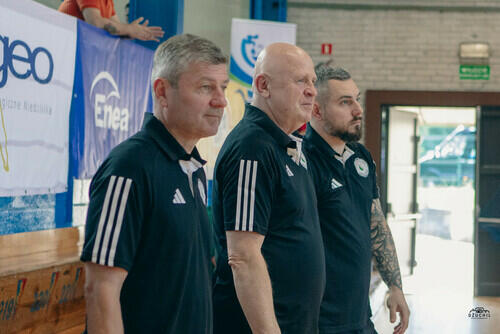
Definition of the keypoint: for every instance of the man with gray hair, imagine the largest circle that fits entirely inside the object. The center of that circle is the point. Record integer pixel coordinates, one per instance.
(352, 223)
(147, 238)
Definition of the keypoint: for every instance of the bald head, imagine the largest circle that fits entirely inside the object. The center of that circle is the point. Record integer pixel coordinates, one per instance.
(283, 85)
(277, 58)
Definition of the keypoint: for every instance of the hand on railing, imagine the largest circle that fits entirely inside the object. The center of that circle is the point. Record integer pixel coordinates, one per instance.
(144, 32)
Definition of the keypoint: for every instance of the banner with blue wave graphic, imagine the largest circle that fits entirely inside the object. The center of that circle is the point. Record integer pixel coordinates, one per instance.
(248, 39)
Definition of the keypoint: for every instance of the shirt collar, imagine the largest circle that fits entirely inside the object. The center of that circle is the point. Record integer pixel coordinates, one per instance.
(314, 137)
(260, 118)
(167, 143)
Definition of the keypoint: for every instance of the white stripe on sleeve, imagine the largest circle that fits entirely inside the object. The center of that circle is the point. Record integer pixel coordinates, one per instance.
(245, 198)
(119, 222)
(252, 195)
(111, 219)
(244, 222)
(238, 196)
(104, 213)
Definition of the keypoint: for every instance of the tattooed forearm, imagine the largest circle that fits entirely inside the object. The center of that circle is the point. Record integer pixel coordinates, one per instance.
(383, 248)
(109, 27)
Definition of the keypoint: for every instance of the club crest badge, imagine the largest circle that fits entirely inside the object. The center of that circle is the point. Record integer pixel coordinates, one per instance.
(361, 167)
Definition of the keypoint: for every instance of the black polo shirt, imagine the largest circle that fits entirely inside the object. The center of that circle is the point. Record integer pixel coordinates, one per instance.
(147, 214)
(346, 187)
(259, 187)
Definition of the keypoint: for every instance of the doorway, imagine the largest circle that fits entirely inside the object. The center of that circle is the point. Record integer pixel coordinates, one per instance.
(487, 224)
(438, 305)
(442, 149)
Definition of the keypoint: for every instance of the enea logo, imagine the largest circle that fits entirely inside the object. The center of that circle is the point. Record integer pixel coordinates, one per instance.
(107, 115)
(18, 59)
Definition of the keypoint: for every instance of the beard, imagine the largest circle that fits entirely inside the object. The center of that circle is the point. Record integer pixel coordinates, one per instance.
(343, 133)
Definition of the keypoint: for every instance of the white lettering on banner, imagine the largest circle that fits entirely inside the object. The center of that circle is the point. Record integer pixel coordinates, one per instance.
(106, 115)
(99, 99)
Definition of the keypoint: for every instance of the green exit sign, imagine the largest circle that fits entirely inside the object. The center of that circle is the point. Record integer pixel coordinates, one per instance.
(474, 72)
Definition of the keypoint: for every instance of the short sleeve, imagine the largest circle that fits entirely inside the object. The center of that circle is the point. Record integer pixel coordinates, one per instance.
(246, 182)
(82, 4)
(113, 12)
(114, 220)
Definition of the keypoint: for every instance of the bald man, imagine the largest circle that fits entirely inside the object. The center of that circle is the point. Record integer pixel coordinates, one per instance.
(271, 271)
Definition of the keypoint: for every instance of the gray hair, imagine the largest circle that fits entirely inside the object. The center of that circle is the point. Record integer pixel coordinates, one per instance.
(325, 72)
(173, 57)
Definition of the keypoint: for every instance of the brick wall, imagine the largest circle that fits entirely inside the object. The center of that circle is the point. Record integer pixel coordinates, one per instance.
(388, 46)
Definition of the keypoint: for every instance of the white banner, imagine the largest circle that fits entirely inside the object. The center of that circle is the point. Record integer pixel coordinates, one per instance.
(248, 38)
(37, 63)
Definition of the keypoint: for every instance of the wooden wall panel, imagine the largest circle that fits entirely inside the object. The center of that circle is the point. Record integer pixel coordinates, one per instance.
(43, 301)
(41, 282)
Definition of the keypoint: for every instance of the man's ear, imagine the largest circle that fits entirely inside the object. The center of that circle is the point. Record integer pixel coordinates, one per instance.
(261, 83)
(160, 87)
(316, 112)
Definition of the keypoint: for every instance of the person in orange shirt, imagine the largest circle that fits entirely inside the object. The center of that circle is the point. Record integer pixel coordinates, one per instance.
(101, 13)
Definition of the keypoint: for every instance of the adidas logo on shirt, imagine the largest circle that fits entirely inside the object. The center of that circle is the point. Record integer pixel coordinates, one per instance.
(178, 198)
(288, 171)
(335, 184)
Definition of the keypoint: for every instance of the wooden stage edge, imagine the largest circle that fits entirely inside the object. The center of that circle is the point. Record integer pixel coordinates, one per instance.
(41, 282)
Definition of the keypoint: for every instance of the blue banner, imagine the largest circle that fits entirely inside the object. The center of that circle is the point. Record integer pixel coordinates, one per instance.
(111, 96)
